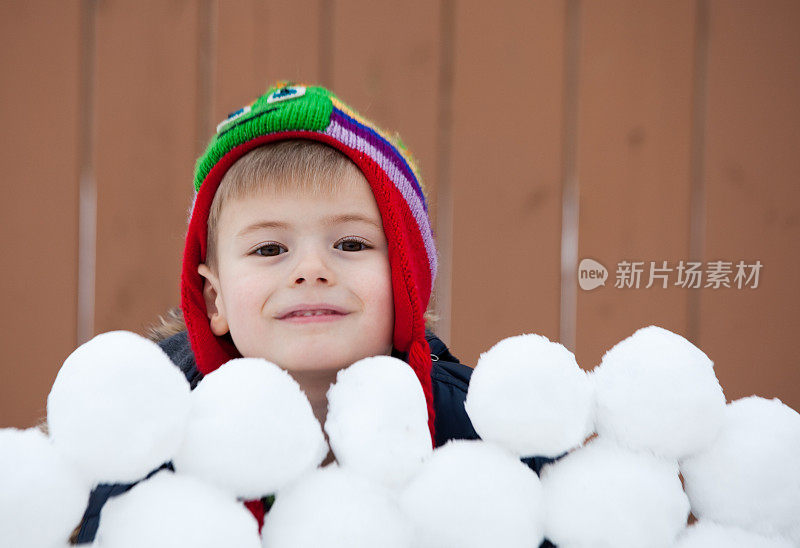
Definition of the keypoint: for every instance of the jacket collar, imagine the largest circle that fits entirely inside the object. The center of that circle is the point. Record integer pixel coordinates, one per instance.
(439, 350)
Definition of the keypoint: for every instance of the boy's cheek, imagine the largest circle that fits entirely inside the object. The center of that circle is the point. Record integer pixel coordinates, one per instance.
(247, 286)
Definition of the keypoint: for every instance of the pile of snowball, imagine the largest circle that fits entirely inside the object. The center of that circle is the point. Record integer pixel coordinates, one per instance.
(119, 409)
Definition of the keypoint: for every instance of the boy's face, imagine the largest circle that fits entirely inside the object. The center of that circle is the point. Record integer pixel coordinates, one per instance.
(281, 253)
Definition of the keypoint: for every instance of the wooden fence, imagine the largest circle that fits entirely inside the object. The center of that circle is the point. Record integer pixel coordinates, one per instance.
(548, 132)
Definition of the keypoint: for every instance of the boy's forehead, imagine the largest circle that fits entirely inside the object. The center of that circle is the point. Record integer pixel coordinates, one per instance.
(348, 181)
(350, 199)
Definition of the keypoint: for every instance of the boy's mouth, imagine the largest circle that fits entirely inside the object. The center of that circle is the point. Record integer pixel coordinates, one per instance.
(311, 311)
(312, 316)
(307, 313)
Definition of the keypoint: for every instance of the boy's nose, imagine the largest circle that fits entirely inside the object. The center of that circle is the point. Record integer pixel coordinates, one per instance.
(319, 279)
(312, 268)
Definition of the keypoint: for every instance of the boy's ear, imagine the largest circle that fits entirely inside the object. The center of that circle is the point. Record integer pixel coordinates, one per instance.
(215, 308)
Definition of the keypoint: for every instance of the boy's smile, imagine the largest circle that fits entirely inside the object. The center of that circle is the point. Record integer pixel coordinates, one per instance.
(312, 313)
(304, 279)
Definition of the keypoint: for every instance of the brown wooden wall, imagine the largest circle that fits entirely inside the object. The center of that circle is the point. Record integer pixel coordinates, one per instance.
(547, 132)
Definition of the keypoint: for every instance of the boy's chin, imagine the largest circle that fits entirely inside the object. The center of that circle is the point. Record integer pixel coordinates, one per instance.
(309, 362)
(316, 356)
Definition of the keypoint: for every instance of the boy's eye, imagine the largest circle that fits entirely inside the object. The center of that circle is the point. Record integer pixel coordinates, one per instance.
(270, 250)
(352, 244)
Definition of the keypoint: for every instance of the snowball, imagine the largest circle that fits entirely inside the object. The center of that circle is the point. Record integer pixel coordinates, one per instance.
(710, 535)
(170, 510)
(657, 391)
(474, 494)
(529, 395)
(750, 476)
(42, 498)
(377, 420)
(251, 430)
(335, 508)
(603, 495)
(118, 407)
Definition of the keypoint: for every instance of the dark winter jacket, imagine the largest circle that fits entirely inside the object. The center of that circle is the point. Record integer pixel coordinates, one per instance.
(450, 381)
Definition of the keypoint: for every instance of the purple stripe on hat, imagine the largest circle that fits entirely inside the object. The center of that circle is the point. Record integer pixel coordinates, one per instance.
(398, 178)
(379, 143)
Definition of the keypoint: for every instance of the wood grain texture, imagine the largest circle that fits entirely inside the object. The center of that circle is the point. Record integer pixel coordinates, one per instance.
(385, 61)
(260, 43)
(683, 137)
(292, 41)
(633, 163)
(146, 144)
(506, 172)
(40, 56)
(236, 41)
(752, 169)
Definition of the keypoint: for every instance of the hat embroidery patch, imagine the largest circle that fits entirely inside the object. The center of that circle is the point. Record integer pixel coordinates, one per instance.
(233, 116)
(288, 92)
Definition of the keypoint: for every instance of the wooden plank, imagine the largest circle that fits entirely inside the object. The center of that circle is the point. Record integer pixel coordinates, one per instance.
(506, 170)
(235, 81)
(40, 60)
(633, 163)
(753, 200)
(294, 45)
(260, 43)
(385, 61)
(146, 144)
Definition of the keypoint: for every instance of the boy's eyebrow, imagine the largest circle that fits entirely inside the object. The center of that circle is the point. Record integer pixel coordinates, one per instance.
(328, 221)
(349, 218)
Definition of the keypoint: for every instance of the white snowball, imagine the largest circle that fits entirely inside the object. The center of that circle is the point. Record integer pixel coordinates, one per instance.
(529, 395)
(377, 420)
(170, 510)
(118, 407)
(251, 430)
(335, 508)
(474, 494)
(710, 535)
(657, 391)
(42, 498)
(603, 495)
(750, 476)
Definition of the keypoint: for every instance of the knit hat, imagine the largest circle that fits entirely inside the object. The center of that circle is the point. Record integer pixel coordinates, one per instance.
(290, 111)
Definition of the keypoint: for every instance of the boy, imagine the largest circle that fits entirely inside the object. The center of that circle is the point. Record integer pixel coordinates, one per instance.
(323, 215)
(309, 244)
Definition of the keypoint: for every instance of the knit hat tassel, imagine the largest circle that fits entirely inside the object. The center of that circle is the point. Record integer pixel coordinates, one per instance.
(419, 357)
(256, 508)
